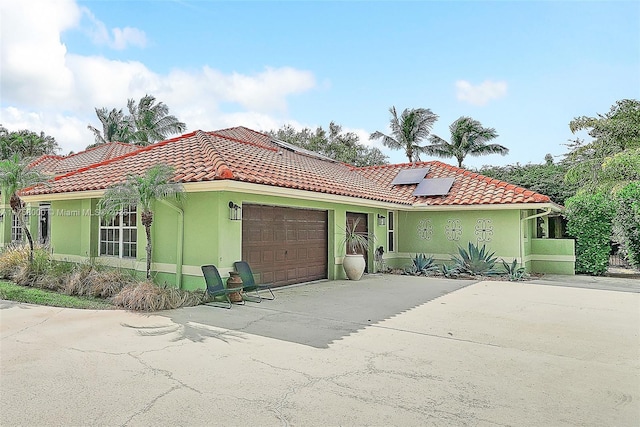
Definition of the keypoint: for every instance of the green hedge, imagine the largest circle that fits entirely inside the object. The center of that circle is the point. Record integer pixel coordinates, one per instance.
(627, 222)
(589, 221)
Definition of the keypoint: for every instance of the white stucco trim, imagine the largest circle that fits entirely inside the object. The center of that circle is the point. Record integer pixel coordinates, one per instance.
(268, 190)
(189, 270)
(73, 195)
(108, 261)
(560, 258)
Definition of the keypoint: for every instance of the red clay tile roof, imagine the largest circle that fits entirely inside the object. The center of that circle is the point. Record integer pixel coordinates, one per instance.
(241, 154)
(469, 188)
(202, 156)
(57, 165)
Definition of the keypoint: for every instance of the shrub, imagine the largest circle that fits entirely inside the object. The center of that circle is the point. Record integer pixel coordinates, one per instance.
(97, 283)
(12, 258)
(589, 218)
(475, 261)
(15, 265)
(626, 223)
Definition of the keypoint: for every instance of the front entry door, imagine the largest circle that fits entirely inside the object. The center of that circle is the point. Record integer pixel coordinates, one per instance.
(363, 227)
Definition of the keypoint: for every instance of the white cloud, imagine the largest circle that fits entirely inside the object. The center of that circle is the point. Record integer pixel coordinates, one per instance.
(119, 38)
(45, 88)
(31, 53)
(482, 93)
(70, 132)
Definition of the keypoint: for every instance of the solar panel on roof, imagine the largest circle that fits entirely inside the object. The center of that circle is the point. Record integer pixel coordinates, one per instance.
(410, 176)
(434, 187)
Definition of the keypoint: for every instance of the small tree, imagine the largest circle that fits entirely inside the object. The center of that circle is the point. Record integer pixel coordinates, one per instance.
(141, 191)
(15, 175)
(589, 221)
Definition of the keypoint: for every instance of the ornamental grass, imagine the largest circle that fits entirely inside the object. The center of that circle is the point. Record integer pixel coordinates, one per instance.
(90, 279)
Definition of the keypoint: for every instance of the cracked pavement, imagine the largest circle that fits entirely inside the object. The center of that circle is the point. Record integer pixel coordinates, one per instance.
(388, 350)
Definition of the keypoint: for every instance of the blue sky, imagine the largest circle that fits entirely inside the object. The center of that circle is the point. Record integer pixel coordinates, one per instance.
(524, 68)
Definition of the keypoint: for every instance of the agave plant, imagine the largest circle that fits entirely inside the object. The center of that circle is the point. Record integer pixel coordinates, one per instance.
(475, 261)
(448, 271)
(421, 265)
(514, 272)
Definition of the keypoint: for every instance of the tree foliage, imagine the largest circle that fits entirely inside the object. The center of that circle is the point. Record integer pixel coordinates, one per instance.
(589, 217)
(468, 138)
(408, 131)
(334, 143)
(626, 223)
(152, 121)
(15, 175)
(547, 179)
(116, 127)
(25, 143)
(141, 191)
(146, 123)
(615, 141)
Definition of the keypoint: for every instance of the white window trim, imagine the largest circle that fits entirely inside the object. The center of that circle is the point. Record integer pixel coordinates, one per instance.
(120, 228)
(391, 231)
(17, 233)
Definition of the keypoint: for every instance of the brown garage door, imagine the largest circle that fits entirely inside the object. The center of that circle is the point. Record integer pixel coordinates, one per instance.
(284, 245)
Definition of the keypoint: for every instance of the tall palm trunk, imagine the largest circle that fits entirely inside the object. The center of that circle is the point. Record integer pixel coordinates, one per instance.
(147, 220)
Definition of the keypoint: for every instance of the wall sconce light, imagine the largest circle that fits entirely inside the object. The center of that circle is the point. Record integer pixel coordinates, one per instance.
(382, 220)
(235, 212)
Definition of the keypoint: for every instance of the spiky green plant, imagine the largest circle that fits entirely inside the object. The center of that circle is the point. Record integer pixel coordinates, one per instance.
(475, 261)
(448, 271)
(421, 265)
(514, 272)
(355, 240)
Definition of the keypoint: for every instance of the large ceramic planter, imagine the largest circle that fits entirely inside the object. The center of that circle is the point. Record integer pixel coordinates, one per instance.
(354, 266)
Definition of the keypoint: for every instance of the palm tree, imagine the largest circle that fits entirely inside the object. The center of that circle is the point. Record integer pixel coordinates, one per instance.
(468, 138)
(152, 121)
(408, 131)
(16, 175)
(141, 191)
(115, 126)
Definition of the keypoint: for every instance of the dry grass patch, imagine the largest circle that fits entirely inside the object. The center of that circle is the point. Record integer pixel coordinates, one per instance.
(147, 296)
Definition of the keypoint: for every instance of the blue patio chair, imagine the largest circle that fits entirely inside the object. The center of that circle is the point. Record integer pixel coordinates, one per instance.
(249, 283)
(215, 287)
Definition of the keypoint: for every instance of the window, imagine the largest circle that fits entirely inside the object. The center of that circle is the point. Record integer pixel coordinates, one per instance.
(119, 236)
(391, 247)
(16, 228)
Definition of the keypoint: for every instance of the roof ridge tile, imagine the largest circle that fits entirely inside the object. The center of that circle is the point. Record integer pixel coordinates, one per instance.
(222, 169)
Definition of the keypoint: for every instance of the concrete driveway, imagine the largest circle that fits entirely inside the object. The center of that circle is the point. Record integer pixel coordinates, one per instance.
(388, 350)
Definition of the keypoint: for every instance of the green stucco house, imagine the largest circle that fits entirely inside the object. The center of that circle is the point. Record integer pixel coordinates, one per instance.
(283, 209)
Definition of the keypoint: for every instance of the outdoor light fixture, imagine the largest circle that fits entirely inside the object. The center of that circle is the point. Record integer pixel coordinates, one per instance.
(382, 220)
(234, 212)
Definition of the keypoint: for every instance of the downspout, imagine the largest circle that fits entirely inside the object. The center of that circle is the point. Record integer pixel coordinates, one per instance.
(545, 213)
(180, 241)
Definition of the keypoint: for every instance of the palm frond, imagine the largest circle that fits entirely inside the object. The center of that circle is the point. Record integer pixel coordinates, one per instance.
(140, 190)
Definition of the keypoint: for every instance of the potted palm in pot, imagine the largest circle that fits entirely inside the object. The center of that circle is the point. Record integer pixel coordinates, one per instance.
(356, 243)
